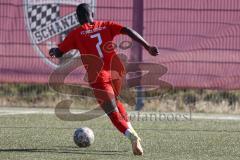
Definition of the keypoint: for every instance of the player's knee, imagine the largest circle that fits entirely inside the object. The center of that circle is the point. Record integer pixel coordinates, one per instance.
(109, 106)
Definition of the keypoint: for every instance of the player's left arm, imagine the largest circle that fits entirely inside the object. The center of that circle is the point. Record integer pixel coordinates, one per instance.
(64, 47)
(153, 50)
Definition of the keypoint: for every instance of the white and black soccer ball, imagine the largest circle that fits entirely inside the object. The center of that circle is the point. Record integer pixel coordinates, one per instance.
(83, 137)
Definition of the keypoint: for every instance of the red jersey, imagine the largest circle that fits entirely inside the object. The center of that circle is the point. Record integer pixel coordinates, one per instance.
(90, 39)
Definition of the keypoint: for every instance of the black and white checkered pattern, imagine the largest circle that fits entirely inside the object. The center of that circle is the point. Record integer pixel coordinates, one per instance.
(42, 15)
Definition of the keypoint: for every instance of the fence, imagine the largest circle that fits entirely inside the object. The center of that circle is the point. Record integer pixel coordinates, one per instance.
(199, 40)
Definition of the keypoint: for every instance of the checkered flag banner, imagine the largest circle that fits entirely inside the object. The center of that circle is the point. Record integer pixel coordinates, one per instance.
(42, 15)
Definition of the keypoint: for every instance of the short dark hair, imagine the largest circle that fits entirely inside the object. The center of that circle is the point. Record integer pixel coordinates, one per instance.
(83, 11)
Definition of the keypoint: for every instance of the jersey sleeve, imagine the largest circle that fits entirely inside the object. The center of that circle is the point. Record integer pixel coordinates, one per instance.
(68, 43)
(115, 28)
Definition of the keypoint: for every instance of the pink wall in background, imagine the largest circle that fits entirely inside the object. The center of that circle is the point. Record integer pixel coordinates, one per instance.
(199, 41)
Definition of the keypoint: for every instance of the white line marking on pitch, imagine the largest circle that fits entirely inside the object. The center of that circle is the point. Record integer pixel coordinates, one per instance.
(25, 111)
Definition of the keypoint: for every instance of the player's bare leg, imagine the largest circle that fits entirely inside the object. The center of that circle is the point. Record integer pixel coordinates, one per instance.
(118, 115)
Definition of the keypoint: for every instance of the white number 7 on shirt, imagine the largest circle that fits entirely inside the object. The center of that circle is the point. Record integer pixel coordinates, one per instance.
(98, 36)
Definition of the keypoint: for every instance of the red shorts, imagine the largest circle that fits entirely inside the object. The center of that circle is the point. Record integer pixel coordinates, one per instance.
(106, 91)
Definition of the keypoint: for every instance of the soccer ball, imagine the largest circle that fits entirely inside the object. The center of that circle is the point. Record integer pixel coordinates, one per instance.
(83, 137)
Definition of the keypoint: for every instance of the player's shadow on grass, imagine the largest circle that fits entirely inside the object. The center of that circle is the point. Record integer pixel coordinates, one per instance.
(63, 150)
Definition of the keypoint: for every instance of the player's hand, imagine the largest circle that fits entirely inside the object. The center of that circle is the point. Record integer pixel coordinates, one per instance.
(55, 52)
(51, 52)
(153, 50)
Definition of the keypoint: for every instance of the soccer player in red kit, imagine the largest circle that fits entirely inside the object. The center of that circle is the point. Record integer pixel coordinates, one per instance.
(90, 38)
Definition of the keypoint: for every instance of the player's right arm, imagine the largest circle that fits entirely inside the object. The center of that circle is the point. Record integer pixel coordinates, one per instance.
(64, 47)
(138, 38)
(119, 29)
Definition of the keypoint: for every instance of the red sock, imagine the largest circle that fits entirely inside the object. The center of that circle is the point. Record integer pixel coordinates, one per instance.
(118, 121)
(122, 110)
